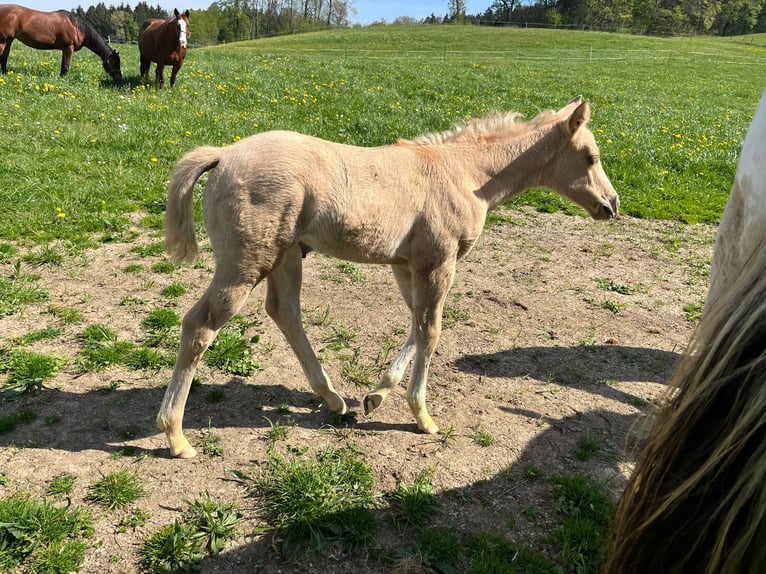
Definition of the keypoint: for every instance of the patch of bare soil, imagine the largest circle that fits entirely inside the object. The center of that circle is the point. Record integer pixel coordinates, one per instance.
(564, 328)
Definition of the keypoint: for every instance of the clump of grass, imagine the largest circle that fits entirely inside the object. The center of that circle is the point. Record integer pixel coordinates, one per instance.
(231, 353)
(174, 290)
(492, 553)
(101, 349)
(354, 371)
(67, 315)
(437, 550)
(61, 484)
(586, 510)
(415, 503)
(277, 431)
(340, 338)
(482, 438)
(587, 448)
(116, 489)
(41, 537)
(47, 255)
(133, 268)
(693, 311)
(18, 291)
(163, 267)
(10, 422)
(43, 334)
(205, 528)
(318, 502)
(147, 358)
(152, 250)
(451, 316)
(27, 372)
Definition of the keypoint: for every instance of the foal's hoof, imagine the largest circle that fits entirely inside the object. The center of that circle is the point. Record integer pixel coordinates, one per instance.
(336, 404)
(371, 402)
(428, 426)
(187, 452)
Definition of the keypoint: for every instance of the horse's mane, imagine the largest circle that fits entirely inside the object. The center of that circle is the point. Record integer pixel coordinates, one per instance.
(498, 123)
(93, 40)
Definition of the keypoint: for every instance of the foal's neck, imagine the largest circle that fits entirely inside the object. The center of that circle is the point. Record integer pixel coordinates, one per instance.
(506, 167)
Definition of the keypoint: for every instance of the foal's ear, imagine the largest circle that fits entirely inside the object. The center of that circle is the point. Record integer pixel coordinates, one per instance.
(579, 117)
(176, 13)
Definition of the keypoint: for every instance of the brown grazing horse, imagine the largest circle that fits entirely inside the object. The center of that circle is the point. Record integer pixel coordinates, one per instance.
(417, 206)
(696, 502)
(164, 43)
(59, 30)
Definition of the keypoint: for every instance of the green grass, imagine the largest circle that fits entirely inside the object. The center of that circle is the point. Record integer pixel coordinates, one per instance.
(318, 502)
(116, 490)
(41, 536)
(27, 371)
(92, 151)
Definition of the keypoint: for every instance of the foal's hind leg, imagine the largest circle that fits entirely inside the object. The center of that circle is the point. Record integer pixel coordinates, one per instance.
(223, 298)
(284, 306)
(398, 366)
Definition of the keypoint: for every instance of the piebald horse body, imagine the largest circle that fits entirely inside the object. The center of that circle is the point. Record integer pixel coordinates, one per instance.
(417, 206)
(58, 30)
(164, 42)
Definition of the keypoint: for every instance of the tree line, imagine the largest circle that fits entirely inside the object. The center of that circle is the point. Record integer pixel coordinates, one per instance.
(233, 20)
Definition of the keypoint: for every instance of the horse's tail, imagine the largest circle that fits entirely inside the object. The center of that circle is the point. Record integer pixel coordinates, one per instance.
(180, 235)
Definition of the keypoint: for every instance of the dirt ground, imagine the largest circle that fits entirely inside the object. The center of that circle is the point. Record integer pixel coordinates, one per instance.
(545, 350)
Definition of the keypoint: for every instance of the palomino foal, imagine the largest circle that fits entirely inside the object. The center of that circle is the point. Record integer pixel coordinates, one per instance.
(417, 205)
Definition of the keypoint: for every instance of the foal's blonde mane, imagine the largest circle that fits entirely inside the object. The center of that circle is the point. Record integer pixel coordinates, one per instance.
(494, 124)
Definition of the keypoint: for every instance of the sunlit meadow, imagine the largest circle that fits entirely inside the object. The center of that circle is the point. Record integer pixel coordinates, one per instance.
(81, 153)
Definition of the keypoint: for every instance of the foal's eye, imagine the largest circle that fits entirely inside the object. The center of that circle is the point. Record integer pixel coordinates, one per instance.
(593, 159)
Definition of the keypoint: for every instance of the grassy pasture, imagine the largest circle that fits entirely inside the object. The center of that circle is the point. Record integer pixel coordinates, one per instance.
(83, 158)
(80, 153)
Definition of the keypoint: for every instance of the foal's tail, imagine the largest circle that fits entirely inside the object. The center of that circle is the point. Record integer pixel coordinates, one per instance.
(180, 236)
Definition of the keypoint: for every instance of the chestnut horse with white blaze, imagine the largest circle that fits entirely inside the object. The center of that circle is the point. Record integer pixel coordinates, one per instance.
(164, 42)
(58, 30)
(417, 205)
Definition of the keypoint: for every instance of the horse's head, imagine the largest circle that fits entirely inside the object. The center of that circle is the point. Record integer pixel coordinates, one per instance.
(184, 30)
(576, 171)
(112, 65)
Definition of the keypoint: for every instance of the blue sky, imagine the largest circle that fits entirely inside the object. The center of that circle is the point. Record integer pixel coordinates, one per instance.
(367, 11)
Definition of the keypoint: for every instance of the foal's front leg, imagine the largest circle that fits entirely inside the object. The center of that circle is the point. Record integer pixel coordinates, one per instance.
(429, 290)
(284, 306)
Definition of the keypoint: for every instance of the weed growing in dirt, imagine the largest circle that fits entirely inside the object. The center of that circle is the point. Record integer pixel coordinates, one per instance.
(116, 489)
(482, 438)
(354, 371)
(277, 431)
(587, 447)
(42, 537)
(61, 484)
(414, 503)
(10, 422)
(205, 528)
(67, 315)
(586, 510)
(101, 349)
(340, 338)
(173, 291)
(492, 553)
(231, 353)
(693, 311)
(318, 502)
(27, 371)
(18, 291)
